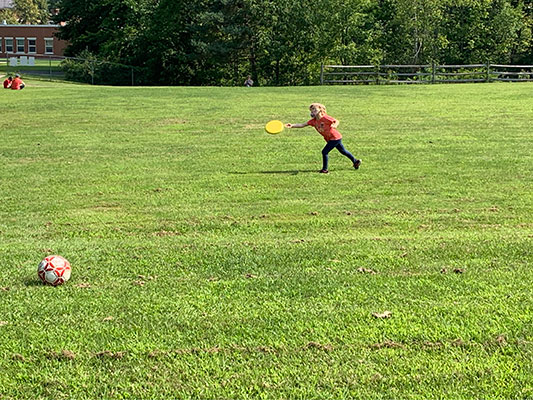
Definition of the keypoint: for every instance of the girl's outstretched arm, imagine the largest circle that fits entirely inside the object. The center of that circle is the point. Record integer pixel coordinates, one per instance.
(290, 126)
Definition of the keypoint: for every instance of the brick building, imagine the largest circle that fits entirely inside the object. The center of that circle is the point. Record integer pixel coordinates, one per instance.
(30, 40)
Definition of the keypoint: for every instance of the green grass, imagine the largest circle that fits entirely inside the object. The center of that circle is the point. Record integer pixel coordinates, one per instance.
(211, 261)
(39, 62)
(40, 65)
(43, 69)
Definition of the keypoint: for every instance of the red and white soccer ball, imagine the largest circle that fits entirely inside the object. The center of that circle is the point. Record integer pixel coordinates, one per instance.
(54, 270)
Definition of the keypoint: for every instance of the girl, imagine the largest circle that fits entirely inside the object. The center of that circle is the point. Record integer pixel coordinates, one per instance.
(327, 127)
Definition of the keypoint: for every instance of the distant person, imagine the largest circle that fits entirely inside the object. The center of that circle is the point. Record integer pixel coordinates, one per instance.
(7, 82)
(249, 82)
(17, 83)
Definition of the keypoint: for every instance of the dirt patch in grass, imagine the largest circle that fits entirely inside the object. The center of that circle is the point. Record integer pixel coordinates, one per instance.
(458, 270)
(318, 346)
(157, 354)
(147, 277)
(62, 355)
(383, 315)
(432, 345)
(265, 349)
(388, 344)
(366, 271)
(109, 354)
(499, 341)
(459, 343)
(163, 233)
(313, 346)
(18, 357)
(212, 350)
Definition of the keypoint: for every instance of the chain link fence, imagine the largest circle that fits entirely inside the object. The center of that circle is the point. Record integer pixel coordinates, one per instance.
(56, 68)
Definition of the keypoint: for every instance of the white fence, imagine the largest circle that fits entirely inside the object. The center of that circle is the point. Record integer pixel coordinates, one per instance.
(428, 73)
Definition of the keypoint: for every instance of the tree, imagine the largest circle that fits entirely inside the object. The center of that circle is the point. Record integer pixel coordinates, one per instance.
(414, 36)
(107, 28)
(506, 23)
(522, 53)
(352, 34)
(8, 15)
(481, 30)
(169, 47)
(283, 42)
(31, 11)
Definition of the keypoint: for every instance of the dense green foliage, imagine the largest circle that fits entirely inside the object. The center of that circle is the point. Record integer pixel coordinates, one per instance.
(28, 12)
(211, 260)
(284, 41)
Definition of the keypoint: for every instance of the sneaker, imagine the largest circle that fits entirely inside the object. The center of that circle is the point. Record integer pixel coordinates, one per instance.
(356, 164)
(324, 171)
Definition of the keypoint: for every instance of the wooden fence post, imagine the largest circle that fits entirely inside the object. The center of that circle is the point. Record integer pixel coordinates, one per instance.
(488, 71)
(322, 73)
(432, 71)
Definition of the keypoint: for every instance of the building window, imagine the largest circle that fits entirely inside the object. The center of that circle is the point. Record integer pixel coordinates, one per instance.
(9, 45)
(48, 45)
(20, 45)
(32, 45)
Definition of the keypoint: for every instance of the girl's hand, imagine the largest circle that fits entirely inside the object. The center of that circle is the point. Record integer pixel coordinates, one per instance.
(289, 126)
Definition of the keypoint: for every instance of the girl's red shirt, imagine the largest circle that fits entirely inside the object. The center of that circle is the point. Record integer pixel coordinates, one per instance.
(15, 85)
(323, 126)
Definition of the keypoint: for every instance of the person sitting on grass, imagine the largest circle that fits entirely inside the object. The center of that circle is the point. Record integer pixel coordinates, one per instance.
(249, 82)
(17, 83)
(7, 82)
(327, 127)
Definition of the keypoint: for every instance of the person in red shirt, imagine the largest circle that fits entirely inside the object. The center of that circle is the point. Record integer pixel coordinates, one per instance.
(327, 127)
(17, 83)
(7, 82)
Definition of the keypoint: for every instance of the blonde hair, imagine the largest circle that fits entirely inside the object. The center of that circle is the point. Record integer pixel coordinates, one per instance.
(320, 107)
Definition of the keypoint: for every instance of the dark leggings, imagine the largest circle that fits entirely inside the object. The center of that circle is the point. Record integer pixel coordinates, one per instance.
(330, 146)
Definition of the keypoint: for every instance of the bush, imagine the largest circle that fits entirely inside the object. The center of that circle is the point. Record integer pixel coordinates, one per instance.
(87, 68)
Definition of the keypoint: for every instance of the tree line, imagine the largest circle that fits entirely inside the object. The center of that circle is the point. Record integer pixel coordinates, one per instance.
(28, 12)
(284, 42)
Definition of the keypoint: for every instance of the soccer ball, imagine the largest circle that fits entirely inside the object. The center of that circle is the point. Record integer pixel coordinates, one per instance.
(54, 270)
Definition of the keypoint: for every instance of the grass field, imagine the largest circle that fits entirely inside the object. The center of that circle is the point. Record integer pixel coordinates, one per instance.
(210, 260)
(43, 69)
(40, 64)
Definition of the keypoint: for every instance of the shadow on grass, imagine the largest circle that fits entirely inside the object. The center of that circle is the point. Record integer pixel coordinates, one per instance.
(291, 172)
(30, 281)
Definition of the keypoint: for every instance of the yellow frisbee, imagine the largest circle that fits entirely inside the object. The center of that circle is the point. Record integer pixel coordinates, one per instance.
(274, 127)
